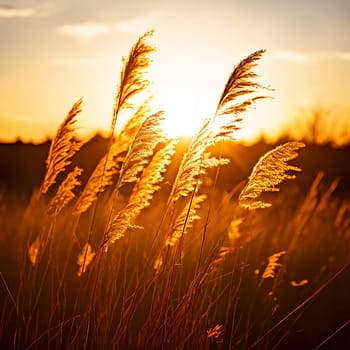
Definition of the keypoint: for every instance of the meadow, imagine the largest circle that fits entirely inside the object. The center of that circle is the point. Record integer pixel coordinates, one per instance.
(158, 244)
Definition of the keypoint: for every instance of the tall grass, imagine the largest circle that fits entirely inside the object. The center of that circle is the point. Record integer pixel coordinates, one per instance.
(146, 258)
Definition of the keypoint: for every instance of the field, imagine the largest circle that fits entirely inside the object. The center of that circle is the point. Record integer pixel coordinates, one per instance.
(139, 241)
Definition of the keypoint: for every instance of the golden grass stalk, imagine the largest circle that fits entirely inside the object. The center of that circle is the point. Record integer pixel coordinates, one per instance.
(85, 258)
(142, 194)
(158, 263)
(271, 169)
(132, 126)
(195, 163)
(146, 139)
(270, 270)
(108, 166)
(132, 76)
(153, 174)
(185, 220)
(241, 83)
(33, 250)
(63, 148)
(189, 178)
(189, 169)
(98, 181)
(234, 231)
(132, 82)
(240, 93)
(65, 192)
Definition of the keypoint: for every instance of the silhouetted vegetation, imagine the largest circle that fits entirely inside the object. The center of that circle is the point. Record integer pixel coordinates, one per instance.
(139, 241)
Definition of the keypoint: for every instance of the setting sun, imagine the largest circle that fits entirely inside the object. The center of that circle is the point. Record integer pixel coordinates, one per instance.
(185, 109)
(187, 105)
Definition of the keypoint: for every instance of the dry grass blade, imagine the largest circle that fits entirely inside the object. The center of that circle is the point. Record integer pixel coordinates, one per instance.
(65, 192)
(108, 166)
(62, 149)
(268, 173)
(149, 135)
(142, 194)
(185, 220)
(85, 258)
(132, 79)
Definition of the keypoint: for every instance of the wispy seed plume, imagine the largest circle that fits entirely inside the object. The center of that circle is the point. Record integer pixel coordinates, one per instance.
(142, 194)
(109, 165)
(271, 169)
(63, 148)
(65, 192)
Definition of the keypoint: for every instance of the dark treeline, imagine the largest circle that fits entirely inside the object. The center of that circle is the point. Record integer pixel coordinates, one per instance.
(23, 165)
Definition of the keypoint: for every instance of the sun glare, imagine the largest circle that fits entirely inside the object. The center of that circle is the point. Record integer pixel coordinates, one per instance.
(187, 105)
(184, 109)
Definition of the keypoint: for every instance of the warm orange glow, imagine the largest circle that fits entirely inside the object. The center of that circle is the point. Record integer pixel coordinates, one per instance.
(187, 105)
(185, 109)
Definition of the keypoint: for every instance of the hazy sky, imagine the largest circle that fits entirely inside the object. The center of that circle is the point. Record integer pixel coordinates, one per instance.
(54, 52)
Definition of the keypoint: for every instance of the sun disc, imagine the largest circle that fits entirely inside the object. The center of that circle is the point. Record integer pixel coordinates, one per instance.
(185, 111)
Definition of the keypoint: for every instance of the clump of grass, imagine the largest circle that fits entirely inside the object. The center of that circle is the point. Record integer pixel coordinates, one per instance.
(183, 276)
(142, 194)
(108, 166)
(132, 82)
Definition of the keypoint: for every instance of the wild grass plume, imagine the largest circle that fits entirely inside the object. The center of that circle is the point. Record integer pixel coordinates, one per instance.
(132, 76)
(64, 193)
(240, 93)
(145, 141)
(268, 173)
(185, 219)
(63, 147)
(109, 165)
(142, 194)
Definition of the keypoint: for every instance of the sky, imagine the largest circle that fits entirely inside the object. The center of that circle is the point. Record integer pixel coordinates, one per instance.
(54, 52)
